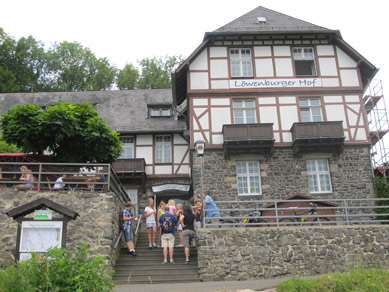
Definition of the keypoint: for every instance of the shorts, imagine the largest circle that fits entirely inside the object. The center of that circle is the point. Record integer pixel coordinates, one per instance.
(128, 235)
(167, 240)
(151, 224)
(179, 227)
(188, 236)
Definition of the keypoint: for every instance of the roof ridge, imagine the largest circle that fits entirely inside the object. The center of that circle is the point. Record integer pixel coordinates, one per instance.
(274, 21)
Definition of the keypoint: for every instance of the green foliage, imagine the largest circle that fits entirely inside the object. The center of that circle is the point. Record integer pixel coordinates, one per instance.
(22, 63)
(359, 279)
(382, 187)
(58, 270)
(76, 68)
(68, 66)
(73, 132)
(128, 77)
(8, 148)
(156, 73)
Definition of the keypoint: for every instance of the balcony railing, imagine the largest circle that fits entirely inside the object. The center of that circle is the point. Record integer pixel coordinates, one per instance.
(317, 137)
(248, 138)
(132, 165)
(92, 177)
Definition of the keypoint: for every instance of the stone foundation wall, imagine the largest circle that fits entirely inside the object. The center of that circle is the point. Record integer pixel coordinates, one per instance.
(284, 174)
(98, 223)
(256, 253)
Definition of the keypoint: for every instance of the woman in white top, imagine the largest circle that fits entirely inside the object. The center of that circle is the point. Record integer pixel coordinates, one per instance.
(150, 222)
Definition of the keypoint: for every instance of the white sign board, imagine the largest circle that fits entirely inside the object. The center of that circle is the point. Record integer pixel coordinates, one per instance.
(39, 236)
(167, 187)
(271, 83)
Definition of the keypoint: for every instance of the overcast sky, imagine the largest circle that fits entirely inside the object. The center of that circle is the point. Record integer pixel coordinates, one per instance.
(125, 31)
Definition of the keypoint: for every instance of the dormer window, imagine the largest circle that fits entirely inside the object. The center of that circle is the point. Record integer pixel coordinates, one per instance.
(160, 111)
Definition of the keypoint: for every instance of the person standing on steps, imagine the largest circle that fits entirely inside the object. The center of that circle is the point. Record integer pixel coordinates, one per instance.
(208, 204)
(167, 222)
(150, 222)
(188, 221)
(127, 229)
(161, 211)
(179, 227)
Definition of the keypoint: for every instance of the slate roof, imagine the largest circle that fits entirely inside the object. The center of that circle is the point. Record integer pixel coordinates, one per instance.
(275, 22)
(125, 111)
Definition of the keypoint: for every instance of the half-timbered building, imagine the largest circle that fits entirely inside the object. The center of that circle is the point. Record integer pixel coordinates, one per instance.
(278, 103)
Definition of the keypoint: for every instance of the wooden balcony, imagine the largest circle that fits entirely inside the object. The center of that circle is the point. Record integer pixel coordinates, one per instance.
(248, 139)
(130, 168)
(318, 137)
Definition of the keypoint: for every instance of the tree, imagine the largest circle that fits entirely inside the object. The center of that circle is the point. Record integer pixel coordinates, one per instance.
(7, 148)
(128, 77)
(73, 132)
(156, 73)
(22, 64)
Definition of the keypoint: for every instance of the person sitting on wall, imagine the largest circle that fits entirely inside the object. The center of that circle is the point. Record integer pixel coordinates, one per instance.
(59, 185)
(26, 177)
(127, 228)
(98, 178)
(208, 204)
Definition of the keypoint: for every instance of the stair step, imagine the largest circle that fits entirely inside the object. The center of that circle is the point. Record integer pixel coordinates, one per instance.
(154, 272)
(147, 268)
(134, 281)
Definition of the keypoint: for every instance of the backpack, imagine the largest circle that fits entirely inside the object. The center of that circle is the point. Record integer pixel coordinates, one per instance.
(167, 224)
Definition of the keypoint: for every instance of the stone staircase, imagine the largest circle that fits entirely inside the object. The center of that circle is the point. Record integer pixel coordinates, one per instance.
(147, 267)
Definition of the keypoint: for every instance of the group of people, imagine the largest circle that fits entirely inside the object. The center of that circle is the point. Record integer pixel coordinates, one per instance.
(169, 218)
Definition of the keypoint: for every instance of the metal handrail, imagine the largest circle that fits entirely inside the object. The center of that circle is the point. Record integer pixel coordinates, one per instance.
(348, 211)
(42, 171)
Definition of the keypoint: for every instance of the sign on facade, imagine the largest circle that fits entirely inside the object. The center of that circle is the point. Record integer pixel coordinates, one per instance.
(270, 83)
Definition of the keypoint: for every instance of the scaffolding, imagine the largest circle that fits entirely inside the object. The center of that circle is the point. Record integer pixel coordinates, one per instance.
(377, 118)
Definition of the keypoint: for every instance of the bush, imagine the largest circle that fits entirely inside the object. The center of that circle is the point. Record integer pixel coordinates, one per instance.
(58, 270)
(382, 187)
(359, 279)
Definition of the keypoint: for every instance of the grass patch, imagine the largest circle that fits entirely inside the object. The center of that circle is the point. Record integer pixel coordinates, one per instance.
(358, 279)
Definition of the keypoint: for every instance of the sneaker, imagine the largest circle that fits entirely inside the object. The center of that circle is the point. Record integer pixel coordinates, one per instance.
(133, 253)
(150, 246)
(171, 261)
(154, 245)
(164, 262)
(186, 261)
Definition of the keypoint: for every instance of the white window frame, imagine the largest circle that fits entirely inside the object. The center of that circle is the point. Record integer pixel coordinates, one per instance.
(319, 176)
(246, 180)
(309, 107)
(241, 62)
(128, 147)
(245, 109)
(160, 112)
(305, 54)
(163, 149)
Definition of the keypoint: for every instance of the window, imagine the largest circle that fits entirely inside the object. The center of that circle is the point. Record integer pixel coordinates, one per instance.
(304, 62)
(160, 112)
(128, 147)
(310, 109)
(248, 178)
(241, 63)
(244, 111)
(318, 176)
(163, 149)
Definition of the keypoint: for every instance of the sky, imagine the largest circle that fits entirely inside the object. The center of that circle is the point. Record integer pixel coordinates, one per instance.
(126, 31)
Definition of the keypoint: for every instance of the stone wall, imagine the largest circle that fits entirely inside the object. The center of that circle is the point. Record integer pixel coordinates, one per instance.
(98, 223)
(284, 174)
(259, 253)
